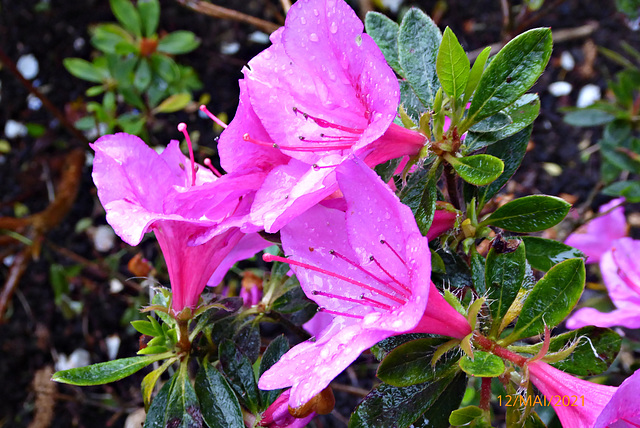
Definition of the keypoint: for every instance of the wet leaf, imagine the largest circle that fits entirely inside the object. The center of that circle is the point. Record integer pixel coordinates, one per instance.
(478, 170)
(452, 65)
(504, 274)
(219, 404)
(239, 371)
(384, 32)
(178, 42)
(107, 372)
(543, 254)
(529, 214)
(484, 364)
(276, 349)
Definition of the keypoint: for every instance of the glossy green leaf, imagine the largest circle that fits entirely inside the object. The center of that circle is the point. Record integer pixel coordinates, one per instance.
(493, 123)
(174, 103)
(410, 363)
(276, 349)
(437, 414)
(418, 42)
(478, 170)
(183, 407)
(390, 406)
(384, 32)
(149, 15)
(629, 189)
(381, 349)
(239, 371)
(420, 195)
(543, 254)
(101, 373)
(178, 42)
(105, 37)
(219, 405)
(504, 274)
(478, 272)
(484, 364)
(475, 74)
(452, 65)
(145, 327)
(155, 417)
(588, 117)
(551, 299)
(166, 67)
(142, 77)
(150, 380)
(596, 350)
(127, 15)
(511, 73)
(457, 274)
(529, 214)
(465, 415)
(83, 69)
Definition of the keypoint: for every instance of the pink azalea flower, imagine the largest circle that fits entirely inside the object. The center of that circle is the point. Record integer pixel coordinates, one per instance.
(621, 274)
(370, 268)
(183, 203)
(601, 232)
(278, 416)
(623, 410)
(555, 383)
(321, 92)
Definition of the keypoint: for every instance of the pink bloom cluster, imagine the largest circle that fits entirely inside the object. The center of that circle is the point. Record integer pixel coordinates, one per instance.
(605, 241)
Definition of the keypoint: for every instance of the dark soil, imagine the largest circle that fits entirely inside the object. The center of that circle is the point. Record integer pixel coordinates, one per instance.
(35, 332)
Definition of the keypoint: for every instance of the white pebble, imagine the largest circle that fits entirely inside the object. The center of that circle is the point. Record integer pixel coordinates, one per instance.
(259, 37)
(589, 94)
(28, 66)
(392, 5)
(113, 345)
(566, 61)
(115, 286)
(13, 129)
(103, 238)
(135, 419)
(33, 102)
(229, 48)
(78, 358)
(78, 43)
(559, 89)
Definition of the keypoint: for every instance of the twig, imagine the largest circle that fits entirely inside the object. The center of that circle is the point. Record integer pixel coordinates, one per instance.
(224, 13)
(18, 267)
(286, 5)
(365, 7)
(8, 62)
(354, 390)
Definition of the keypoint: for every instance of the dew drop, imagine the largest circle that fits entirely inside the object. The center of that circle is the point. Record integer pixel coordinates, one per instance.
(313, 37)
(333, 27)
(303, 20)
(315, 12)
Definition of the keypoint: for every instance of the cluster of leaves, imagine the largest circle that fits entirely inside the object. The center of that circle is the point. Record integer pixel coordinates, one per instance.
(620, 115)
(135, 74)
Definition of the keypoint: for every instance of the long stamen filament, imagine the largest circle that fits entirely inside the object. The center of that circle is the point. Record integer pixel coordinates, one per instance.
(182, 127)
(324, 147)
(404, 286)
(360, 301)
(342, 314)
(208, 164)
(212, 116)
(326, 124)
(382, 241)
(271, 258)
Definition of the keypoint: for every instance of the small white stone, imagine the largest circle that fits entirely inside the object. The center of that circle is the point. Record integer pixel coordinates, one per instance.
(103, 238)
(135, 419)
(566, 61)
(8, 261)
(392, 5)
(28, 66)
(560, 89)
(259, 37)
(589, 94)
(78, 43)
(13, 129)
(229, 48)
(78, 358)
(115, 286)
(113, 345)
(33, 102)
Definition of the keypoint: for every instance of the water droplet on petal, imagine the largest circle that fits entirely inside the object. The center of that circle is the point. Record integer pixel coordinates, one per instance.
(313, 37)
(315, 12)
(333, 27)
(303, 20)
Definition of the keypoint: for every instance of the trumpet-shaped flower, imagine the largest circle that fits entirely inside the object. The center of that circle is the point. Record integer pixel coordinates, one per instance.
(597, 406)
(321, 92)
(370, 268)
(184, 204)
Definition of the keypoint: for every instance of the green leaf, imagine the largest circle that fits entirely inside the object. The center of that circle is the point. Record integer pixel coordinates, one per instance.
(477, 169)
(276, 349)
(504, 274)
(529, 214)
(83, 69)
(420, 195)
(105, 37)
(629, 189)
(156, 414)
(478, 272)
(183, 408)
(149, 15)
(165, 67)
(465, 415)
(437, 414)
(174, 103)
(178, 42)
(247, 339)
(384, 32)
(475, 74)
(150, 380)
(588, 117)
(390, 406)
(387, 169)
(239, 371)
(127, 15)
(219, 404)
(484, 364)
(418, 43)
(452, 65)
(543, 254)
(493, 123)
(381, 349)
(145, 327)
(142, 77)
(110, 371)
(410, 363)
(511, 73)
(410, 101)
(457, 275)
(511, 151)
(551, 299)
(596, 350)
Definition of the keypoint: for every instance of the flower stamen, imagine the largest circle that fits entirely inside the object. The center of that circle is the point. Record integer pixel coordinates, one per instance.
(212, 116)
(182, 127)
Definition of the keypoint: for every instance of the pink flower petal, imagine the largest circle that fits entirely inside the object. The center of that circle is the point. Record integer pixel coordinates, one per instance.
(623, 410)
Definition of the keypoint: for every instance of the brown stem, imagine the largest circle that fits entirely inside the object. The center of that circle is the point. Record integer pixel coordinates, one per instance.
(216, 11)
(184, 344)
(8, 62)
(491, 346)
(18, 267)
(485, 394)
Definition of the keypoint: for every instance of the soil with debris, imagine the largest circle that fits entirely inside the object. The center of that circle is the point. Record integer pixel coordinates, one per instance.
(39, 335)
